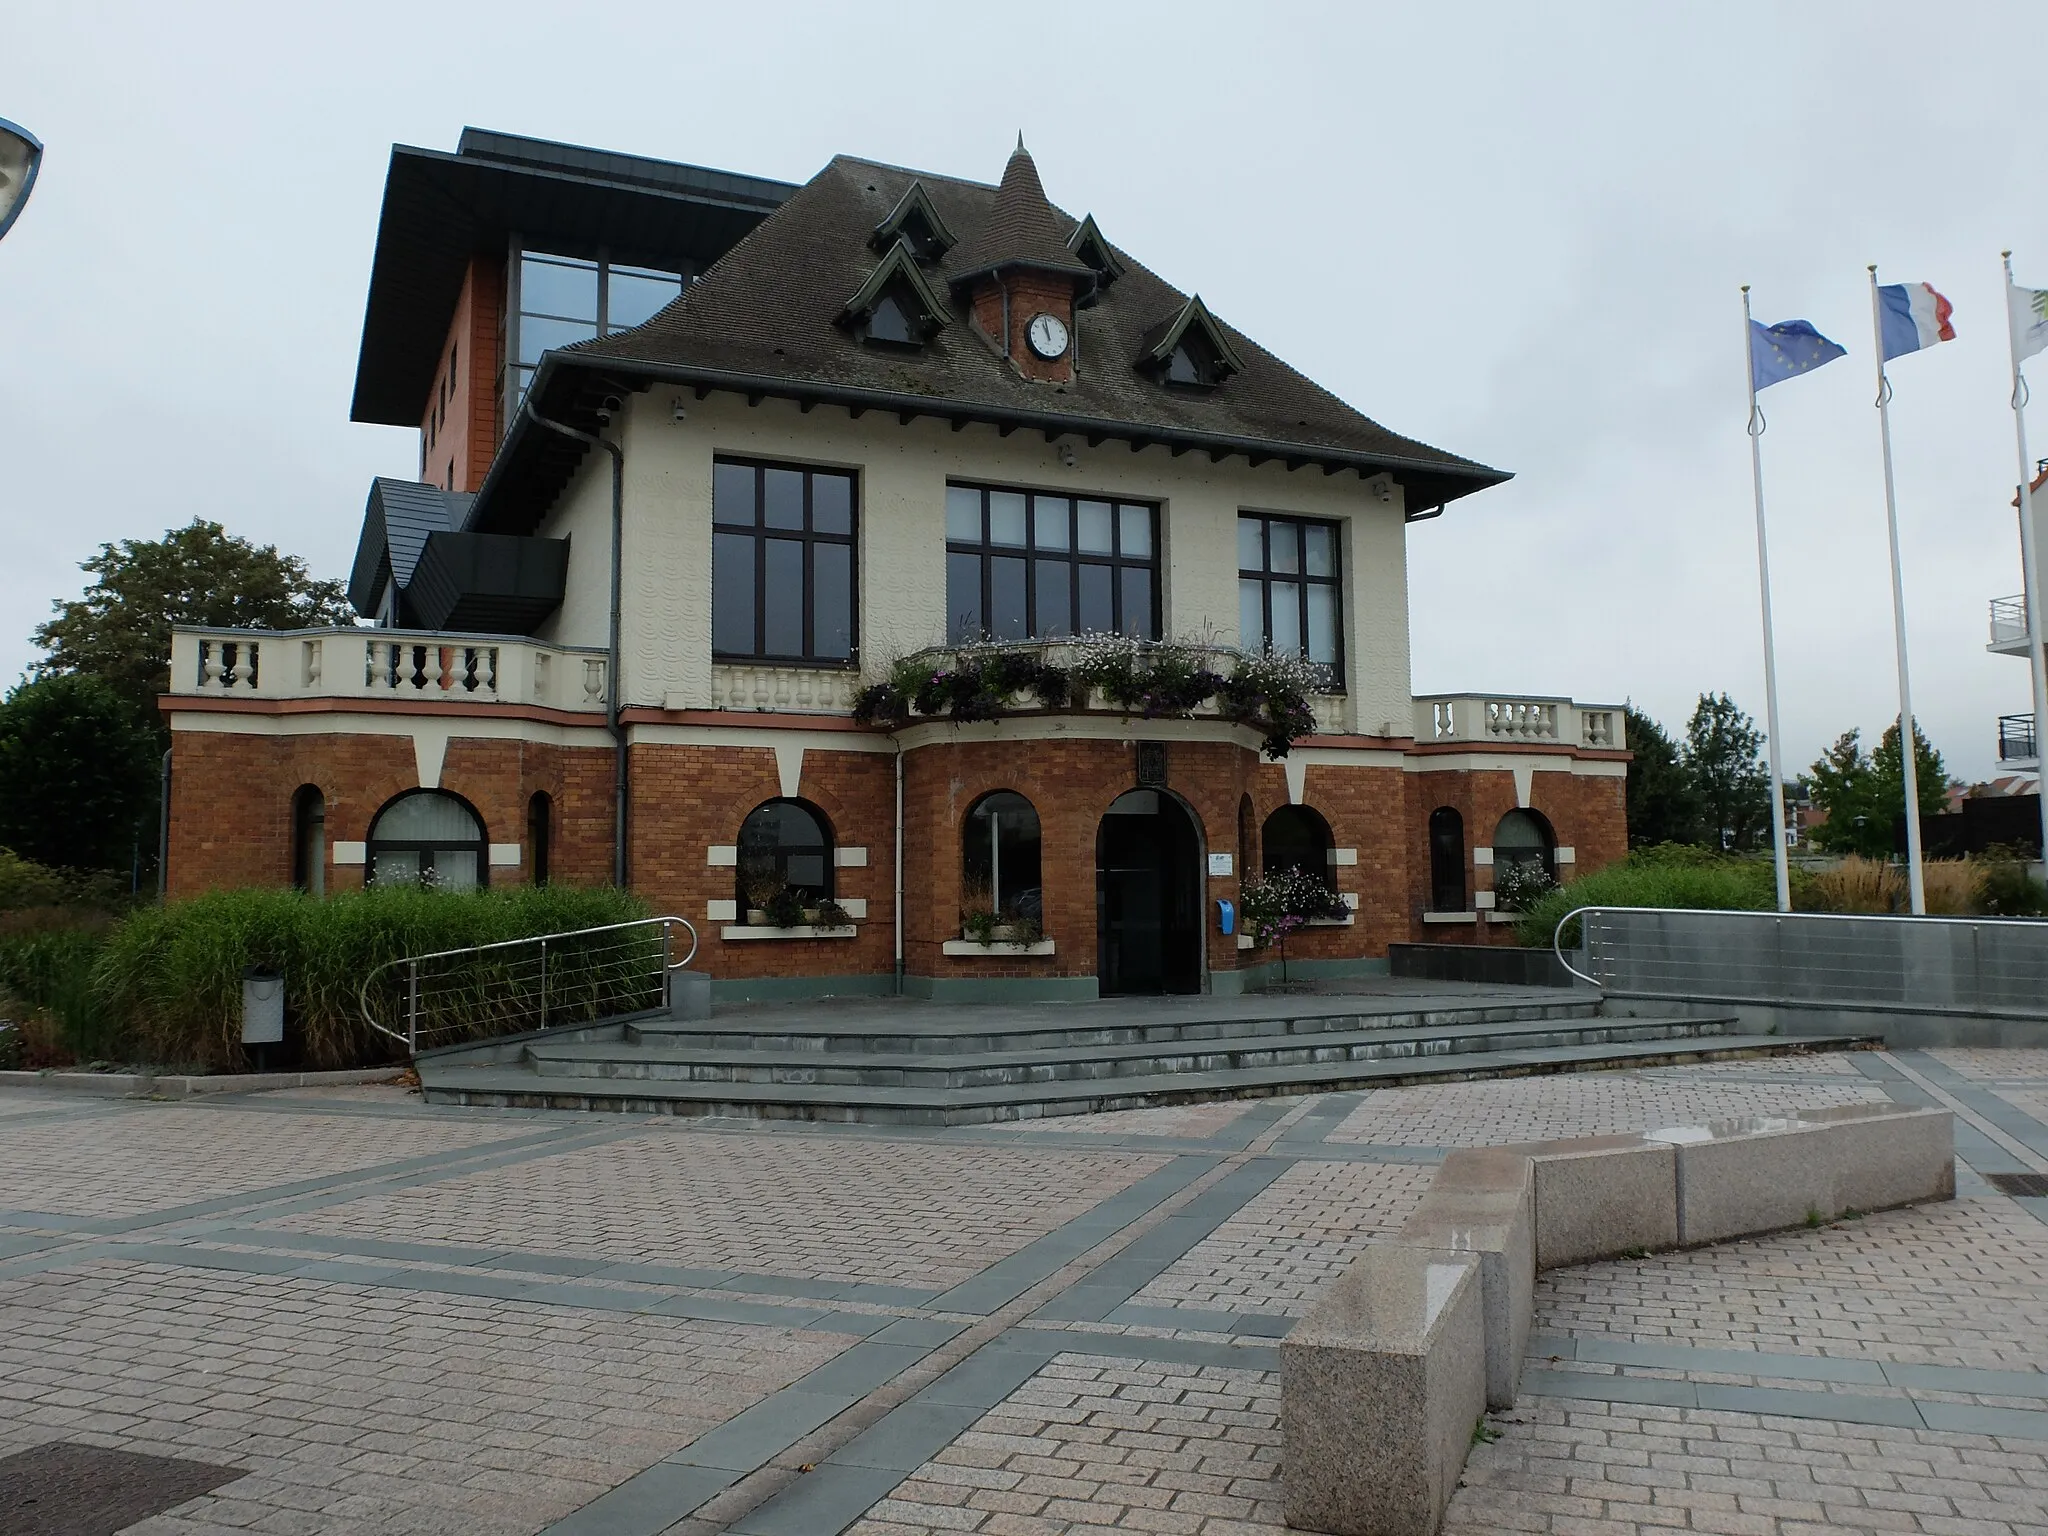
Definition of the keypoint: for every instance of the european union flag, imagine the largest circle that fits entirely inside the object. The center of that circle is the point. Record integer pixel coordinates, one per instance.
(1786, 350)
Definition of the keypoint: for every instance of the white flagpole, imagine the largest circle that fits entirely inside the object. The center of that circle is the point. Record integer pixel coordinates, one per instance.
(2031, 573)
(1908, 754)
(1763, 581)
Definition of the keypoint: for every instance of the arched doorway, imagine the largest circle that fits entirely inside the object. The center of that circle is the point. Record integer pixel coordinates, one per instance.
(1148, 896)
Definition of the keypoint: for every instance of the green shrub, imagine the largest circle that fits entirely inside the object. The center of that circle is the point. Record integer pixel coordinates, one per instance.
(26, 885)
(2008, 889)
(172, 975)
(1663, 876)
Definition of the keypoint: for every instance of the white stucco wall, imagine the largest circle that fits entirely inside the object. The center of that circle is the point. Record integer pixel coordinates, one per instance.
(583, 516)
(902, 472)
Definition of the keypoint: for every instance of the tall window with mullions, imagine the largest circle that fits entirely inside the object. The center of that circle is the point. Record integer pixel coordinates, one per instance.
(566, 299)
(1289, 592)
(1025, 565)
(782, 567)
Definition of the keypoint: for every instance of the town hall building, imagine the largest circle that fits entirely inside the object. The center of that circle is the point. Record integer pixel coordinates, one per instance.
(891, 575)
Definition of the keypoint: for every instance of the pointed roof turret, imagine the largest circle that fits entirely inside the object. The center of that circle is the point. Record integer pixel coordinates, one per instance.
(1022, 229)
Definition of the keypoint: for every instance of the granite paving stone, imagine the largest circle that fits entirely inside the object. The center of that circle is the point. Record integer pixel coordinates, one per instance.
(397, 1318)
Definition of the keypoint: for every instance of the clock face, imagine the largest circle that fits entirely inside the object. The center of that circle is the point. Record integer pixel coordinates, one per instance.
(1048, 336)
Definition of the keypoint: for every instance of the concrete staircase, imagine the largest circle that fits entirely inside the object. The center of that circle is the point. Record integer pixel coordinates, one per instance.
(892, 1061)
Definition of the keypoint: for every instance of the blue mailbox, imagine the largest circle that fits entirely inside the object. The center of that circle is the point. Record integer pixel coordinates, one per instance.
(1226, 916)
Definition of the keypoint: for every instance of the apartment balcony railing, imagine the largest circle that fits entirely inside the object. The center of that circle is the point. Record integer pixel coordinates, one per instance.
(2009, 621)
(2016, 739)
(342, 663)
(1505, 721)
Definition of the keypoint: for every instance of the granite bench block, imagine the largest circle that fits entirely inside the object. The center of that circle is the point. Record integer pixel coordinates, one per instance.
(1483, 1202)
(1602, 1197)
(1380, 1388)
(1762, 1174)
(1888, 1160)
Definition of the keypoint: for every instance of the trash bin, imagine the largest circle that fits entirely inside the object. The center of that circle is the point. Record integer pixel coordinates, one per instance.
(262, 1009)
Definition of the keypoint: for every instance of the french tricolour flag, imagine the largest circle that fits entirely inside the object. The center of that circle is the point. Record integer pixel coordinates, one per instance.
(1912, 316)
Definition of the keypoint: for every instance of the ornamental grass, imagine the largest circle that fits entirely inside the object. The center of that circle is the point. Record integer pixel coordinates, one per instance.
(1663, 876)
(170, 977)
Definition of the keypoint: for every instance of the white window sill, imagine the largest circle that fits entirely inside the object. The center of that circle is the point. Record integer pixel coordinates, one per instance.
(1450, 917)
(745, 931)
(1503, 917)
(1330, 922)
(971, 948)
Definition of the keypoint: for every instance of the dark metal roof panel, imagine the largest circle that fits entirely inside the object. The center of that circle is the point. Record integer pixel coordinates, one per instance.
(442, 210)
(398, 519)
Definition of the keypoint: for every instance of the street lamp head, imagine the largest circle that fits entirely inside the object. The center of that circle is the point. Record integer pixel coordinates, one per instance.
(21, 152)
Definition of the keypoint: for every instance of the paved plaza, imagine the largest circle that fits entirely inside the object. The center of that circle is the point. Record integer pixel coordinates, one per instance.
(371, 1315)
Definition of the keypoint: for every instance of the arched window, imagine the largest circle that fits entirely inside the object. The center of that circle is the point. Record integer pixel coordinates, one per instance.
(540, 821)
(784, 845)
(430, 837)
(999, 857)
(1446, 860)
(309, 840)
(1295, 837)
(1523, 837)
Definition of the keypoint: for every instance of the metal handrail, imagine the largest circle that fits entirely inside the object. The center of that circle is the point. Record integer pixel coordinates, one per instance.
(410, 1037)
(1557, 936)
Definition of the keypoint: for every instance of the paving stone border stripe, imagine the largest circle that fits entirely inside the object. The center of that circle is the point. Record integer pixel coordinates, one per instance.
(571, 1267)
(1854, 1370)
(1786, 1403)
(1979, 1100)
(426, 1168)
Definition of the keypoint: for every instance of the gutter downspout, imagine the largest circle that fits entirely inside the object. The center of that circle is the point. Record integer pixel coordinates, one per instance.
(898, 742)
(611, 671)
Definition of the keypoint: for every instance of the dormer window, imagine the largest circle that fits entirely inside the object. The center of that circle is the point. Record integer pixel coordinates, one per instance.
(1087, 243)
(1191, 363)
(916, 223)
(895, 306)
(888, 323)
(1191, 350)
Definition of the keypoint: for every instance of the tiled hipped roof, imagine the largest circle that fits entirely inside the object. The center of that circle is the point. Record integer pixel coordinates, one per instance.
(762, 319)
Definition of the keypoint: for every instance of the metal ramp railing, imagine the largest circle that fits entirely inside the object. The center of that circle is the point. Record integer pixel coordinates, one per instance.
(517, 985)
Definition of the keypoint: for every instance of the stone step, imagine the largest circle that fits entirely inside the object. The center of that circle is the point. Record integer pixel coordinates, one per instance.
(520, 1087)
(976, 1034)
(648, 1061)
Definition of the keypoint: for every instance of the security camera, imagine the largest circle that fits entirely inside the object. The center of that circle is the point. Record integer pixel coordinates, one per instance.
(611, 407)
(677, 412)
(1067, 455)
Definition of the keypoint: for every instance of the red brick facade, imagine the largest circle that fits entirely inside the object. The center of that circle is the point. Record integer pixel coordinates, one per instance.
(1018, 295)
(232, 795)
(459, 432)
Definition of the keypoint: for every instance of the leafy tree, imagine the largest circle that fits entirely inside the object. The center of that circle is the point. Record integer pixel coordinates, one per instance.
(78, 774)
(1725, 767)
(1661, 805)
(120, 630)
(1864, 793)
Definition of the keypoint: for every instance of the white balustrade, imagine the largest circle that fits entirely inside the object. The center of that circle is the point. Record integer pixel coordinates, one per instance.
(784, 690)
(382, 663)
(1502, 720)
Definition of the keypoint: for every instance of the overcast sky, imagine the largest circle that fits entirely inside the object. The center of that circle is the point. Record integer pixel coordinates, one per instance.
(1513, 231)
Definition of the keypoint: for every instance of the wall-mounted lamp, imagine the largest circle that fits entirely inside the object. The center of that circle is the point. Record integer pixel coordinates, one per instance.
(21, 152)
